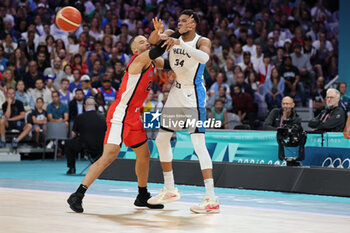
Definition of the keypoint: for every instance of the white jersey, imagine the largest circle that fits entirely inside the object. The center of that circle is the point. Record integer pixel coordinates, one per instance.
(187, 69)
(187, 97)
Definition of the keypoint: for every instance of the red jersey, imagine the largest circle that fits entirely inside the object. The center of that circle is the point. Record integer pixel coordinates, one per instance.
(124, 112)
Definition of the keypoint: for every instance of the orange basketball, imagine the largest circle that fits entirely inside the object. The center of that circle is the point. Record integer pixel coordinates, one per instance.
(68, 19)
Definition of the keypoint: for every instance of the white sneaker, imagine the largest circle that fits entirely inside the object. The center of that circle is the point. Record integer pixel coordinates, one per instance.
(50, 145)
(165, 196)
(207, 206)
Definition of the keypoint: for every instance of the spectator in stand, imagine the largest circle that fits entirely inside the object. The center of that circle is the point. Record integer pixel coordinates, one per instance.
(124, 31)
(77, 63)
(302, 62)
(8, 79)
(160, 104)
(243, 105)
(228, 71)
(41, 91)
(57, 111)
(77, 83)
(258, 58)
(68, 73)
(314, 32)
(238, 53)
(214, 89)
(3, 60)
(97, 71)
(24, 97)
(245, 87)
(344, 99)
(109, 93)
(271, 49)
(250, 47)
(310, 51)
(102, 56)
(265, 69)
(277, 60)
(65, 95)
(274, 89)
(42, 61)
(222, 95)
(298, 39)
(319, 96)
(120, 53)
(113, 58)
(278, 117)
(13, 118)
(291, 77)
(253, 82)
(219, 113)
(148, 105)
(324, 50)
(39, 119)
(56, 72)
(76, 106)
(246, 65)
(86, 86)
(333, 118)
(32, 75)
(100, 102)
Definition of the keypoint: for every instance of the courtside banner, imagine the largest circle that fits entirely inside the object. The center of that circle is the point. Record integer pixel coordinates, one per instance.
(256, 147)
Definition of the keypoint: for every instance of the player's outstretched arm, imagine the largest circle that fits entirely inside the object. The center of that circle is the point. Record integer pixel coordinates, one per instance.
(201, 54)
(158, 32)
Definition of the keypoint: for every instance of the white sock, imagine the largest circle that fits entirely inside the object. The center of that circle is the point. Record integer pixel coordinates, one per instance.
(209, 188)
(169, 180)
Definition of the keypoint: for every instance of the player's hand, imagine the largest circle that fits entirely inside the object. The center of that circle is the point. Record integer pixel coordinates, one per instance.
(188, 26)
(158, 26)
(170, 42)
(163, 36)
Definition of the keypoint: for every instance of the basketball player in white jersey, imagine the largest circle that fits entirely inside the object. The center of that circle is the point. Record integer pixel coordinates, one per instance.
(187, 59)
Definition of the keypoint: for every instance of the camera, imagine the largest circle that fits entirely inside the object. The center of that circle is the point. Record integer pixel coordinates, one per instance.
(291, 135)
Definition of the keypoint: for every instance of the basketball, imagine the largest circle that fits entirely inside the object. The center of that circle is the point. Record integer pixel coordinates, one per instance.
(68, 19)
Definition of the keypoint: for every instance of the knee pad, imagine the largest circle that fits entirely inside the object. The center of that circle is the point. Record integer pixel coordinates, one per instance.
(198, 141)
(163, 146)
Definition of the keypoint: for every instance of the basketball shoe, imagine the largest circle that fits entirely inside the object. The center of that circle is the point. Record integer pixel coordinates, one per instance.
(165, 196)
(207, 206)
(75, 201)
(141, 201)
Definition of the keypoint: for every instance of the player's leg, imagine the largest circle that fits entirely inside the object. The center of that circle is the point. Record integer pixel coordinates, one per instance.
(142, 169)
(172, 107)
(209, 203)
(169, 193)
(110, 153)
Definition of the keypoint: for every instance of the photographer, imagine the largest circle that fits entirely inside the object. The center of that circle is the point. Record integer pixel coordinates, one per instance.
(278, 117)
(333, 118)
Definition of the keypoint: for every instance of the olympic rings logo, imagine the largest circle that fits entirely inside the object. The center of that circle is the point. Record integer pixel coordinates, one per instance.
(336, 163)
(270, 162)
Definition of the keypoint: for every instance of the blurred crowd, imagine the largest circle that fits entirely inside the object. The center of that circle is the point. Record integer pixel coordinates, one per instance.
(262, 51)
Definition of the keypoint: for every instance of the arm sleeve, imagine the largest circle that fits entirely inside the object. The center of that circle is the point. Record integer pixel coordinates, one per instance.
(197, 54)
(158, 50)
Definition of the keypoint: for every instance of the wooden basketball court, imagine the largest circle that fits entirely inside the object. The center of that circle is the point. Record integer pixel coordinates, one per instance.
(37, 211)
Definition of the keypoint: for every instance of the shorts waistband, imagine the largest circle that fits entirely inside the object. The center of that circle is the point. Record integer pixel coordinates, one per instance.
(181, 85)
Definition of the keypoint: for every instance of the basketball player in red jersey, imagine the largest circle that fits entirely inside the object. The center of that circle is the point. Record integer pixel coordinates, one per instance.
(123, 120)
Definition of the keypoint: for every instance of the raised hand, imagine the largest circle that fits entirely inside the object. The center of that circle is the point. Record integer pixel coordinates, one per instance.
(158, 26)
(188, 26)
(170, 42)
